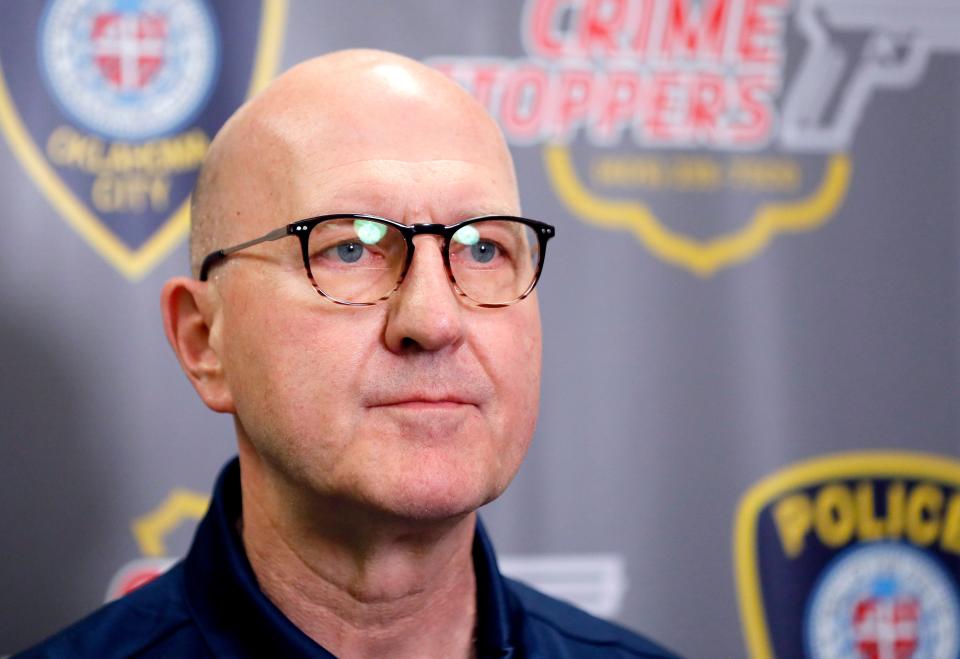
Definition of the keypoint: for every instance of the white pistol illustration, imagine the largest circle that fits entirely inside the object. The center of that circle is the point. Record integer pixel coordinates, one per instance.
(831, 88)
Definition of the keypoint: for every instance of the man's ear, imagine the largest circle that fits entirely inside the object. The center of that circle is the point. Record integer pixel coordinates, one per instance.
(188, 318)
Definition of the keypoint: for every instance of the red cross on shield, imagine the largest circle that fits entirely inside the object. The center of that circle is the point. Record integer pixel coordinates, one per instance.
(886, 627)
(128, 48)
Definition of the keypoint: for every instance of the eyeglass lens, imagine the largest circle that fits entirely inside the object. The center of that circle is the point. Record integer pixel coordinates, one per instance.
(361, 261)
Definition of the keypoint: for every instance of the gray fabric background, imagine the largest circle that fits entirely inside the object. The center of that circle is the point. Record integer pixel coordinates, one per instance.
(665, 395)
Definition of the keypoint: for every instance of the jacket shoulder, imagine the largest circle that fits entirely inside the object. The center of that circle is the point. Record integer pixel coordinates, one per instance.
(562, 630)
(151, 622)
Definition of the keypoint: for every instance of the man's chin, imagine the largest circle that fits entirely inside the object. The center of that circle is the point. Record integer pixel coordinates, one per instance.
(431, 506)
(431, 481)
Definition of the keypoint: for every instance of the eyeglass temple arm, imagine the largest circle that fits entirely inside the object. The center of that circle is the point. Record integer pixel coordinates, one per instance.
(215, 257)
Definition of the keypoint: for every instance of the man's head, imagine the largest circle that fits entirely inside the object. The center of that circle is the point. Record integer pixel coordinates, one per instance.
(419, 407)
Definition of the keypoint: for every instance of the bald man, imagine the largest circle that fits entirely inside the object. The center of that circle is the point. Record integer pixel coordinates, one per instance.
(362, 304)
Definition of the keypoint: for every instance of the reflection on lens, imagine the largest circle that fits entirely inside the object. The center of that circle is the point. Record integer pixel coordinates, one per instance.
(496, 260)
(369, 232)
(360, 260)
(378, 253)
(468, 235)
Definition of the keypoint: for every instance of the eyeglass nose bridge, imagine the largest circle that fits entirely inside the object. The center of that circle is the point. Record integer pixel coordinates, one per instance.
(411, 231)
(428, 229)
(304, 228)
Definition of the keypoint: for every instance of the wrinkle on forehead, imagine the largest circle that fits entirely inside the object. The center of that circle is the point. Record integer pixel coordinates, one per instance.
(323, 116)
(407, 191)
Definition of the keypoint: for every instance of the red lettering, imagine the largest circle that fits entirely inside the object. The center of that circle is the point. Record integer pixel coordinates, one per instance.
(707, 104)
(574, 97)
(641, 27)
(762, 24)
(480, 78)
(601, 24)
(620, 103)
(695, 32)
(522, 102)
(755, 121)
(665, 118)
(542, 22)
(484, 81)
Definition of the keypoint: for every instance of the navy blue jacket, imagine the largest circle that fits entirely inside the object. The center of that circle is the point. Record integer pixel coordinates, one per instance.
(209, 605)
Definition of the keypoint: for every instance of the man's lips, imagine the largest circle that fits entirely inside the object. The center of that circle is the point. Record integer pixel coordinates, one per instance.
(418, 402)
(425, 405)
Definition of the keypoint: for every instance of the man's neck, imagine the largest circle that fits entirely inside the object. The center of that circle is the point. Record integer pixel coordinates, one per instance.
(365, 590)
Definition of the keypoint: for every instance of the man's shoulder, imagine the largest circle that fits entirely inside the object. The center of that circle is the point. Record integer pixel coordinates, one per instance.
(152, 621)
(559, 629)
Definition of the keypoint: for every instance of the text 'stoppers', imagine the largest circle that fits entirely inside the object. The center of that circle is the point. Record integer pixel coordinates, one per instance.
(651, 115)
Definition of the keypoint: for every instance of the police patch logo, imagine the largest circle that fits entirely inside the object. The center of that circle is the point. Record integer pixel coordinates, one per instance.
(152, 532)
(138, 572)
(651, 115)
(110, 105)
(129, 70)
(883, 600)
(855, 555)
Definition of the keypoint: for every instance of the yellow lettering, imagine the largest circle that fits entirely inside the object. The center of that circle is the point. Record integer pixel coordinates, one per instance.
(102, 193)
(793, 517)
(923, 508)
(764, 174)
(119, 158)
(923, 513)
(896, 495)
(623, 171)
(133, 193)
(159, 193)
(950, 540)
(835, 515)
(868, 526)
(88, 153)
(58, 145)
(695, 173)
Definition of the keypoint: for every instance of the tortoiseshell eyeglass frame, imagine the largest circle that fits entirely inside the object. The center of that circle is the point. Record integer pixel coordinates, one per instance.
(302, 228)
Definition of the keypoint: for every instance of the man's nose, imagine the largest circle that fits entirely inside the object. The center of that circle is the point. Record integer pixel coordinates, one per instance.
(425, 314)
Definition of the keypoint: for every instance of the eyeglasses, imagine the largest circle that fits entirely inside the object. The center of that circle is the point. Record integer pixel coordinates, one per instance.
(360, 260)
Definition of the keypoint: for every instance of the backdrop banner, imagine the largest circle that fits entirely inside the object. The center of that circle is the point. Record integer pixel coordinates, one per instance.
(748, 437)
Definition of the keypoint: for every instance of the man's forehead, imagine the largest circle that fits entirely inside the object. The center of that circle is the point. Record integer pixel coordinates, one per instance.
(415, 130)
(399, 141)
(410, 191)
(338, 113)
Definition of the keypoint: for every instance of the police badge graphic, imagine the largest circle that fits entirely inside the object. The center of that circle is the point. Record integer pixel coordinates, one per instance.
(705, 129)
(110, 105)
(852, 556)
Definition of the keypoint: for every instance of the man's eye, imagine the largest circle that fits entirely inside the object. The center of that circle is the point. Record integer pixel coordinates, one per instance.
(348, 252)
(483, 251)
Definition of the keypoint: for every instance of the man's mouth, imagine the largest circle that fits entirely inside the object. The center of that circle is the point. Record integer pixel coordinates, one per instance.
(425, 402)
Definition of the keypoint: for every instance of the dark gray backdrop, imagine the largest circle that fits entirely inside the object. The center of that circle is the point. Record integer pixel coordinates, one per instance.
(666, 395)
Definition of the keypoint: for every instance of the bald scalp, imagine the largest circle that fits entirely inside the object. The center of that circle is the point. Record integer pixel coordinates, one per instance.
(343, 107)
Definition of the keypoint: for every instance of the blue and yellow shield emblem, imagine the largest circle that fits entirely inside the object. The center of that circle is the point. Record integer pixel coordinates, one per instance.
(852, 555)
(110, 105)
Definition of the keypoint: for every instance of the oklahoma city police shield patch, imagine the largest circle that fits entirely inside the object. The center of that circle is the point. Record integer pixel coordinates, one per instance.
(110, 105)
(853, 555)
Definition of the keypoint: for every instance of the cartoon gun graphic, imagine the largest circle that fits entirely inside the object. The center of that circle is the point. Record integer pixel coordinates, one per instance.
(900, 37)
